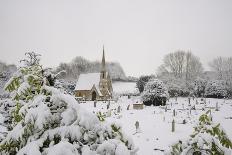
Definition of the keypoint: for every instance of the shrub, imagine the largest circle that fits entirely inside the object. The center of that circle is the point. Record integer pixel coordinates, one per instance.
(208, 138)
(154, 93)
(47, 121)
(216, 89)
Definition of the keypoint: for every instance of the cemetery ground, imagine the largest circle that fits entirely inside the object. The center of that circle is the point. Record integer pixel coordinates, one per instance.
(154, 133)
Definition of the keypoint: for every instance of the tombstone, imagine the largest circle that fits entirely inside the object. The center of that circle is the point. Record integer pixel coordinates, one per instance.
(95, 103)
(174, 112)
(108, 113)
(128, 107)
(173, 125)
(217, 109)
(137, 106)
(189, 100)
(119, 109)
(137, 126)
(108, 106)
(129, 96)
(184, 121)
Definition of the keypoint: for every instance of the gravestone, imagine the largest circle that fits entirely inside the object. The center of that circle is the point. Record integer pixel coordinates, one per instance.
(95, 104)
(173, 125)
(137, 106)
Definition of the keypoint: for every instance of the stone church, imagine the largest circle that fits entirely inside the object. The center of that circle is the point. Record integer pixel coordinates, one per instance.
(95, 86)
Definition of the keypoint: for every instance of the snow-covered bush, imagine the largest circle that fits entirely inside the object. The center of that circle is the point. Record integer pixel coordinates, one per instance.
(47, 121)
(208, 138)
(199, 87)
(155, 93)
(140, 84)
(216, 89)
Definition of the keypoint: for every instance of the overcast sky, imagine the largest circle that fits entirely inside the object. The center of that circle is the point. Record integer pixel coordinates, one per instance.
(136, 33)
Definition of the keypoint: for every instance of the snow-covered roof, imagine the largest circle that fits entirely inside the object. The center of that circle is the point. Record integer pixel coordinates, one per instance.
(86, 82)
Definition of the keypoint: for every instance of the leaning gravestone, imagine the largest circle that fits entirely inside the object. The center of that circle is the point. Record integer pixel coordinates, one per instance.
(128, 107)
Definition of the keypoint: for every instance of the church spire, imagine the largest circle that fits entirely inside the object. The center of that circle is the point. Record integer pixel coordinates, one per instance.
(103, 67)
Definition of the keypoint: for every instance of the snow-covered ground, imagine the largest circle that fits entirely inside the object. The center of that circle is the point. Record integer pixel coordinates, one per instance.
(155, 123)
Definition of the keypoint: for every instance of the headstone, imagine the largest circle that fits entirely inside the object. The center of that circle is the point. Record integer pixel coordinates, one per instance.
(217, 109)
(137, 106)
(128, 107)
(108, 106)
(108, 113)
(189, 100)
(95, 104)
(173, 125)
(174, 112)
(184, 121)
(119, 109)
(137, 126)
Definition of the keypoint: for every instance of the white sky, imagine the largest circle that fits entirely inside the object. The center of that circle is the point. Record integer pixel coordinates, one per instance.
(136, 33)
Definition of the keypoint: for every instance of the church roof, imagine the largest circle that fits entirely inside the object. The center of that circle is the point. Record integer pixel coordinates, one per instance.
(86, 82)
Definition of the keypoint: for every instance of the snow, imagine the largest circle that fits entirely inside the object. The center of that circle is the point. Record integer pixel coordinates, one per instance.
(86, 81)
(155, 123)
(155, 133)
(124, 87)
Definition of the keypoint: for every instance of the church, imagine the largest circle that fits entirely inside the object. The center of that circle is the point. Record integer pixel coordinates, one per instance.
(95, 86)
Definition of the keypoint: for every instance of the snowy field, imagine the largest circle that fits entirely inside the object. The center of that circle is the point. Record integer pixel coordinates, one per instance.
(124, 87)
(155, 123)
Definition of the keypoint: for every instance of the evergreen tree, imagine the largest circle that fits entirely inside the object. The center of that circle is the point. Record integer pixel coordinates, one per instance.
(47, 121)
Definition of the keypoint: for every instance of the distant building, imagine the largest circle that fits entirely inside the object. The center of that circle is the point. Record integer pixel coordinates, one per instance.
(95, 86)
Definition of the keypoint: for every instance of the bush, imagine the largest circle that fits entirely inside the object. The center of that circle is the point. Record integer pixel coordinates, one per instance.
(154, 93)
(216, 89)
(140, 84)
(207, 138)
(47, 121)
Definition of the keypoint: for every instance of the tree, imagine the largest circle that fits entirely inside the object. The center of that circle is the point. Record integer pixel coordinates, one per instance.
(140, 84)
(80, 65)
(180, 66)
(223, 68)
(47, 121)
(154, 93)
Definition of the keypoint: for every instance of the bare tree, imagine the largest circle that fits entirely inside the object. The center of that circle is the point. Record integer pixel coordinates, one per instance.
(223, 68)
(174, 63)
